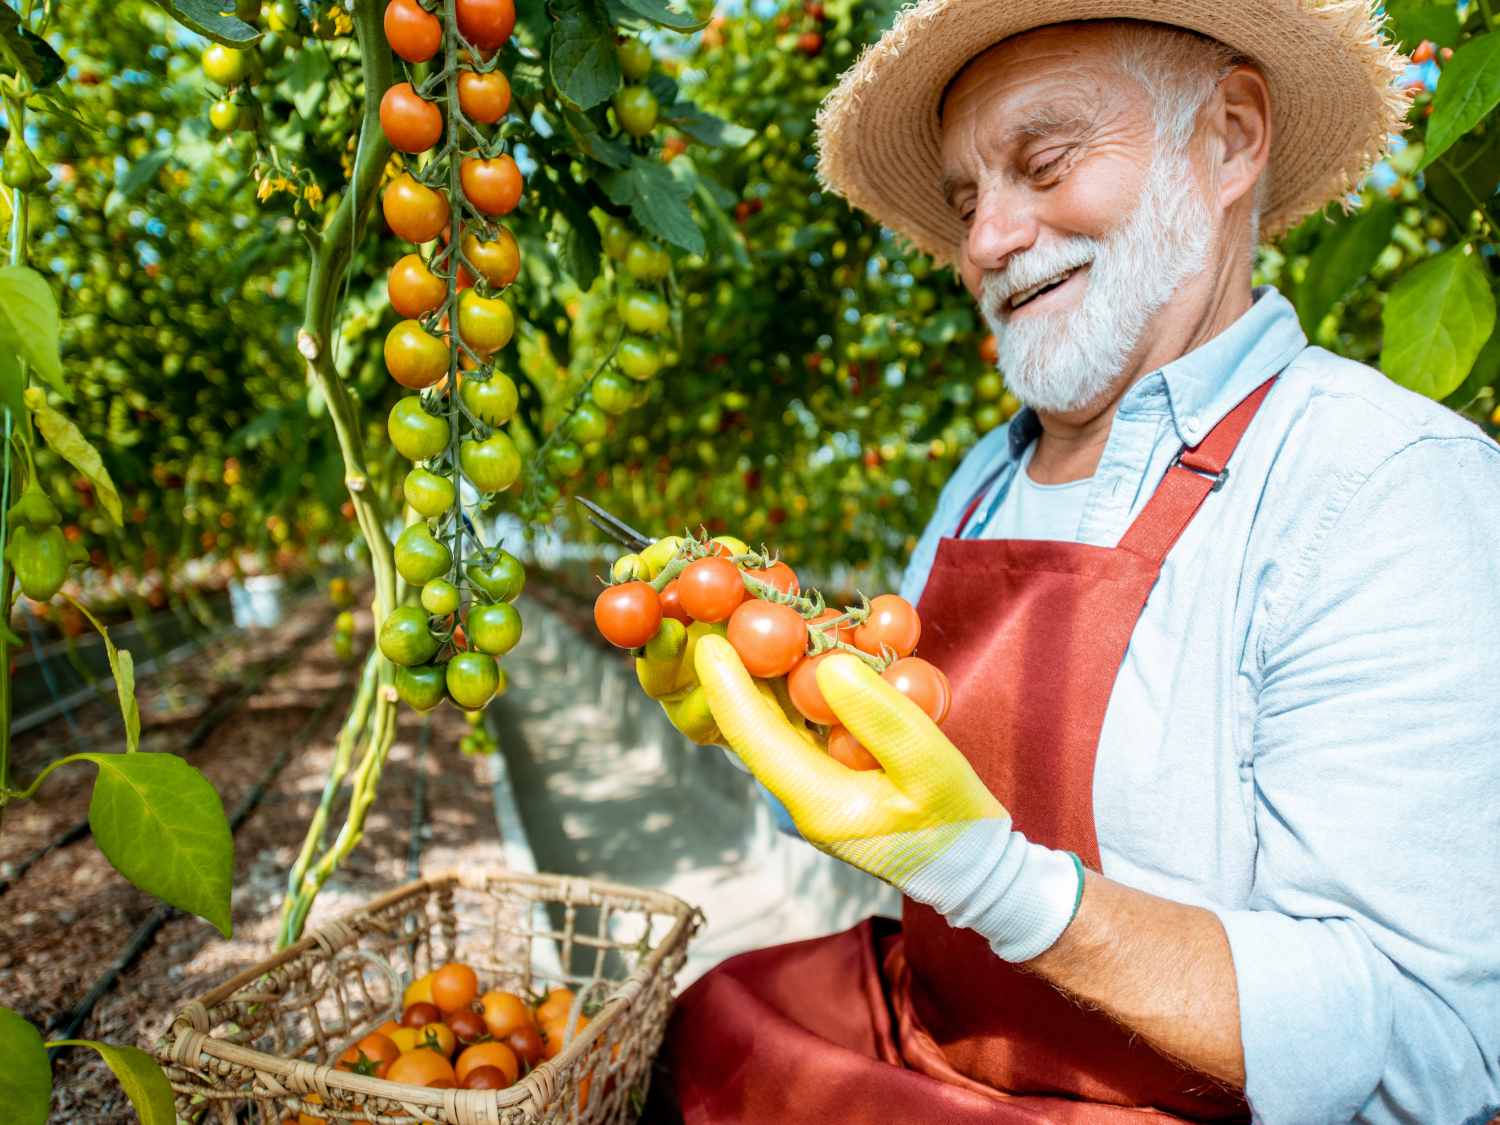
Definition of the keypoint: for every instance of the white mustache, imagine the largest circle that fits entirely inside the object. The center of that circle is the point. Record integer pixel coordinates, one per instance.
(1034, 268)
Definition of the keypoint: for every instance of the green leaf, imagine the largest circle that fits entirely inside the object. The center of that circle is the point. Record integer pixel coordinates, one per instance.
(653, 12)
(1468, 171)
(1411, 21)
(32, 55)
(122, 665)
(657, 201)
(59, 104)
(145, 1085)
(163, 827)
(204, 17)
(582, 246)
(12, 383)
(29, 324)
(1484, 373)
(137, 176)
(594, 144)
(305, 82)
(704, 127)
(25, 1073)
(69, 444)
(1468, 90)
(1345, 255)
(1436, 319)
(584, 68)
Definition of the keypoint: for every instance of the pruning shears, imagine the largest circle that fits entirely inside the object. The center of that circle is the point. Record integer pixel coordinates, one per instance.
(614, 527)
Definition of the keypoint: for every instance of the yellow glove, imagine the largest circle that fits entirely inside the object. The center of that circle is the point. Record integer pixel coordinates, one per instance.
(924, 822)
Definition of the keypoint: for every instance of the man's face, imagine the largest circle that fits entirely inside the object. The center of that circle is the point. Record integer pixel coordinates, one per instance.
(1079, 228)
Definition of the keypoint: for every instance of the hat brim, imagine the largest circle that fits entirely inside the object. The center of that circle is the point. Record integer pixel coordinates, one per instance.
(1331, 73)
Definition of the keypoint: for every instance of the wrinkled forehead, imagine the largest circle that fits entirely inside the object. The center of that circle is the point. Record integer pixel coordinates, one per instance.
(1074, 61)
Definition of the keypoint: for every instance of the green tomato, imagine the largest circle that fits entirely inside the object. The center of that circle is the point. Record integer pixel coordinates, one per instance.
(405, 639)
(493, 400)
(225, 65)
(344, 623)
(421, 686)
(645, 312)
(282, 16)
(419, 557)
(635, 59)
(612, 392)
(617, 239)
(987, 417)
(989, 386)
(645, 261)
(494, 628)
(565, 459)
(492, 465)
(588, 423)
(639, 358)
(35, 509)
(224, 115)
(472, 678)
(636, 109)
(440, 597)
(503, 578)
(429, 494)
(40, 560)
(416, 434)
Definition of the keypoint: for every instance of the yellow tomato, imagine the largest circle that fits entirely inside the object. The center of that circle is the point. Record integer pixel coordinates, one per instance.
(418, 991)
(655, 557)
(485, 324)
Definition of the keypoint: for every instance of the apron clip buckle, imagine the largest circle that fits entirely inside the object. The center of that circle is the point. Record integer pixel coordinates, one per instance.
(1218, 478)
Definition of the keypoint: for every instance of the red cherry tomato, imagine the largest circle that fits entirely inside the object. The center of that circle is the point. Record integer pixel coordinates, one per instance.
(844, 747)
(671, 603)
(486, 24)
(410, 122)
(807, 697)
(779, 575)
(892, 623)
(923, 684)
(770, 638)
(413, 32)
(628, 614)
(711, 589)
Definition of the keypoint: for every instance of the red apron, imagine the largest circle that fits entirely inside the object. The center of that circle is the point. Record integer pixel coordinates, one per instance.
(926, 1024)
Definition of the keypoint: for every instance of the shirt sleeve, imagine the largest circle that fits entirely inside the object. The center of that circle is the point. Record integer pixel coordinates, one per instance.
(1368, 962)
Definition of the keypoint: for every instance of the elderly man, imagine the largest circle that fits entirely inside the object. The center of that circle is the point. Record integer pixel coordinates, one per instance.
(1213, 830)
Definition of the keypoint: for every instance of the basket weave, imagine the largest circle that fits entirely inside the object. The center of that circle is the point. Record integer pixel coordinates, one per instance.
(252, 1049)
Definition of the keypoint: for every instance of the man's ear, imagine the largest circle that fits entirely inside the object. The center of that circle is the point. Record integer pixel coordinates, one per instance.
(1241, 119)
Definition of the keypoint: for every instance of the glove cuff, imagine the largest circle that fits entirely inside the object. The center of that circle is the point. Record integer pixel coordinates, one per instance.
(1017, 895)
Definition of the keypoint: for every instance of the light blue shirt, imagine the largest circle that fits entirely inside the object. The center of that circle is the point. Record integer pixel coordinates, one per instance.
(1038, 511)
(1304, 736)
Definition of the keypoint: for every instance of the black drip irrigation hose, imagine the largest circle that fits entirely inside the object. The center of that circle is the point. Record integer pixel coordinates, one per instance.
(211, 721)
(67, 1025)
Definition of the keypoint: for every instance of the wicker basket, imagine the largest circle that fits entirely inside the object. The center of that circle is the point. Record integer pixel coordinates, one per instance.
(254, 1048)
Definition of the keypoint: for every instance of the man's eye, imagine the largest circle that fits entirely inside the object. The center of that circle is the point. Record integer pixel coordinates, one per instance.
(1049, 164)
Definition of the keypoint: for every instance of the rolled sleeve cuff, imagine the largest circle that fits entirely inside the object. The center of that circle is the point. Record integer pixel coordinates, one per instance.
(1315, 1015)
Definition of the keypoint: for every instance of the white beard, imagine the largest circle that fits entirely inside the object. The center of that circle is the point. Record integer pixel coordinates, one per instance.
(1064, 361)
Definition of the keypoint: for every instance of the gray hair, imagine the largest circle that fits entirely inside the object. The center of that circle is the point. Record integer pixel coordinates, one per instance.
(1180, 70)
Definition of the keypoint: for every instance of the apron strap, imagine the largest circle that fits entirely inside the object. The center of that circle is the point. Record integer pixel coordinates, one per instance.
(1190, 478)
(979, 495)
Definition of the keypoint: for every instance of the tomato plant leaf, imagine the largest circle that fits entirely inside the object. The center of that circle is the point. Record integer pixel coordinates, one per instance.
(26, 1075)
(122, 665)
(705, 128)
(657, 200)
(162, 825)
(1469, 170)
(584, 68)
(632, 12)
(1484, 373)
(32, 55)
(136, 177)
(29, 323)
(144, 1083)
(1468, 90)
(68, 442)
(1436, 319)
(12, 383)
(610, 153)
(56, 102)
(1411, 21)
(1344, 255)
(204, 17)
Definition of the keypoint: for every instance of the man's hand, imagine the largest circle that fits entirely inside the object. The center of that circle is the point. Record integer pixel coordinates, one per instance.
(924, 822)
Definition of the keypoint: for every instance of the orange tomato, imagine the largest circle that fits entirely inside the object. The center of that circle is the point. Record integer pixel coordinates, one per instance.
(484, 98)
(414, 289)
(387, 1027)
(504, 1012)
(493, 186)
(410, 122)
(556, 1034)
(844, 747)
(307, 1118)
(423, 1068)
(498, 261)
(437, 1037)
(486, 24)
(557, 1002)
(413, 33)
(369, 1055)
(418, 214)
(487, 1054)
(455, 986)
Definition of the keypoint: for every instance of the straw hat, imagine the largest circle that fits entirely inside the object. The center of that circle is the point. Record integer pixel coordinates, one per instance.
(1330, 71)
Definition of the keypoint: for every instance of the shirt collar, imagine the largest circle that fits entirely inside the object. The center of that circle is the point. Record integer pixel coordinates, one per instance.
(1203, 386)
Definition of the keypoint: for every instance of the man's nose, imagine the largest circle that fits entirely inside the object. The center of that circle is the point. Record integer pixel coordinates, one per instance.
(1000, 229)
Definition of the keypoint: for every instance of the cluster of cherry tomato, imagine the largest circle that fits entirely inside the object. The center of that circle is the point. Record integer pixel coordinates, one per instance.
(776, 628)
(452, 1036)
(449, 644)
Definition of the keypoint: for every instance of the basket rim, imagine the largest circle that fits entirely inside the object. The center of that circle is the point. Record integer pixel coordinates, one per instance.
(533, 1087)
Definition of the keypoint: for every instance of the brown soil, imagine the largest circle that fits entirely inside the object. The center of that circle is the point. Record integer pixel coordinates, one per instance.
(66, 919)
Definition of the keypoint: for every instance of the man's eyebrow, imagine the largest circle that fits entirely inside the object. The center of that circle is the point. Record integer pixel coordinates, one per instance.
(1041, 122)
